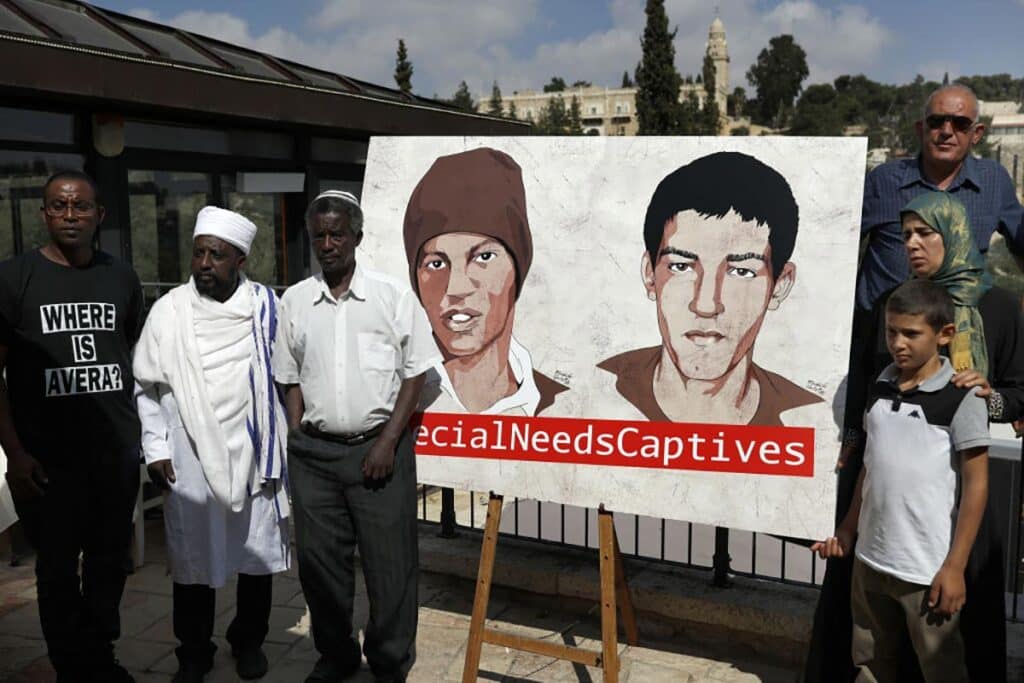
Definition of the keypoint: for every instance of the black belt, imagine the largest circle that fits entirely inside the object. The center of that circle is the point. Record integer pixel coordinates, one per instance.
(344, 439)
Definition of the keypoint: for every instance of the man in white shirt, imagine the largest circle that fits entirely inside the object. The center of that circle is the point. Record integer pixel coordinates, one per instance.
(214, 435)
(351, 358)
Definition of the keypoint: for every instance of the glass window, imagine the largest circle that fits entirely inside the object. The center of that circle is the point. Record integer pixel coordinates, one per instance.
(71, 20)
(319, 78)
(162, 208)
(250, 64)
(9, 21)
(167, 43)
(265, 211)
(22, 175)
(353, 186)
(344, 151)
(243, 143)
(29, 125)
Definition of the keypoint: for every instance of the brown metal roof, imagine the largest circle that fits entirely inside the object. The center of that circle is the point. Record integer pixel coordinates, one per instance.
(150, 64)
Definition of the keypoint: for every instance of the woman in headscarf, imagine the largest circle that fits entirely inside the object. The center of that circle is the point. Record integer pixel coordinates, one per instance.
(987, 353)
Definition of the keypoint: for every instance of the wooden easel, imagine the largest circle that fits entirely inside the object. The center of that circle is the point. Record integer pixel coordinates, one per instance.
(614, 592)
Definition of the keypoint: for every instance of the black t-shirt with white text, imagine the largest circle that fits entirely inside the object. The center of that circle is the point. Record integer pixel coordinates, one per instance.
(69, 333)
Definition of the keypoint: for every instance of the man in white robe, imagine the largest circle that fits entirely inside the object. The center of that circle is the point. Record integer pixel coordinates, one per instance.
(214, 435)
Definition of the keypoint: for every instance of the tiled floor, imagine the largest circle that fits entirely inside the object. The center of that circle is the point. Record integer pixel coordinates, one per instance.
(147, 646)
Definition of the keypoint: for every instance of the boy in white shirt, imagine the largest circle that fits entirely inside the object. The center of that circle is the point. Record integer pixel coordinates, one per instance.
(912, 542)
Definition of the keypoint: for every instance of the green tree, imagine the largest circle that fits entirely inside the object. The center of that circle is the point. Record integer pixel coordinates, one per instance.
(817, 112)
(403, 68)
(657, 80)
(494, 104)
(777, 76)
(736, 102)
(553, 118)
(557, 84)
(575, 125)
(710, 115)
(581, 84)
(945, 78)
(995, 87)
(740, 131)
(462, 99)
(512, 113)
(689, 120)
(627, 82)
(708, 73)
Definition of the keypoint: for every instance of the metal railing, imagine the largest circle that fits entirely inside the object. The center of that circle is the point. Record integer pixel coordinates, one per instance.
(723, 552)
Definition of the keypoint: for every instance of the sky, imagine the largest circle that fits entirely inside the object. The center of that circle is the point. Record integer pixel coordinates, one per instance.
(523, 43)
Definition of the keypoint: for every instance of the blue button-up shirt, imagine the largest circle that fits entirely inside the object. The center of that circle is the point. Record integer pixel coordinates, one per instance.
(983, 186)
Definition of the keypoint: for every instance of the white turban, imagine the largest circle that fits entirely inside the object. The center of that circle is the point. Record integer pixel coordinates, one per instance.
(233, 228)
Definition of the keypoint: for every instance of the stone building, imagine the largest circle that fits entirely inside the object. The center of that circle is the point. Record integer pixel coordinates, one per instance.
(612, 111)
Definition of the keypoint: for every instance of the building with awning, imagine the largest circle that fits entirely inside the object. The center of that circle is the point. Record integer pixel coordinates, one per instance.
(168, 121)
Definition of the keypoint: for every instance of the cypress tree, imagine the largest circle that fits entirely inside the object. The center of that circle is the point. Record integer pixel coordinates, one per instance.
(494, 104)
(575, 119)
(403, 68)
(657, 80)
(462, 99)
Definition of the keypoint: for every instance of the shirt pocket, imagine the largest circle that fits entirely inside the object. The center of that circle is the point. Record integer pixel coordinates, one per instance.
(377, 363)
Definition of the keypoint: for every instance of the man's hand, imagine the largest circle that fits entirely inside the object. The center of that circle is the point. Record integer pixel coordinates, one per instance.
(835, 546)
(380, 461)
(26, 477)
(161, 473)
(948, 592)
(972, 378)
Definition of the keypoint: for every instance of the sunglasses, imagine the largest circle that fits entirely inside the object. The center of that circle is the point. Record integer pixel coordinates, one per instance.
(961, 124)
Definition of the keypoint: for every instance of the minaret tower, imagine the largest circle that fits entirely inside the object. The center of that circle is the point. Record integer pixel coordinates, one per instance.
(718, 50)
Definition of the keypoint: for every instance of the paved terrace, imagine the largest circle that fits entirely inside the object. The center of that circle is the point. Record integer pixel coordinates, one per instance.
(690, 631)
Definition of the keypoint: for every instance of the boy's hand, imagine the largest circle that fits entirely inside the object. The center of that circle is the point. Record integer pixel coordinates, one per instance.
(835, 546)
(948, 592)
(972, 378)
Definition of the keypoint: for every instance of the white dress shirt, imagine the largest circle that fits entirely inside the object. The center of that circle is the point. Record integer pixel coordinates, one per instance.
(350, 355)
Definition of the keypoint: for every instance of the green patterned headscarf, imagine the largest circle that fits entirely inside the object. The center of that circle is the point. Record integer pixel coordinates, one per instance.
(962, 273)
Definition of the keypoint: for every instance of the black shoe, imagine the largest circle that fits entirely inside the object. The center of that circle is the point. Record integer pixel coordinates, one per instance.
(191, 673)
(250, 662)
(111, 672)
(327, 670)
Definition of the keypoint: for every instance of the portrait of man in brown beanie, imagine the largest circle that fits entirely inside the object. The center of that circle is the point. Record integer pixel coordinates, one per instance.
(468, 244)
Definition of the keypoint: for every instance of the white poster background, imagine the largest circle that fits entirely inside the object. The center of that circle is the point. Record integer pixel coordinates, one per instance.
(584, 301)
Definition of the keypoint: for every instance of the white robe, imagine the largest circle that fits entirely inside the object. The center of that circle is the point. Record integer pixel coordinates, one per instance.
(207, 542)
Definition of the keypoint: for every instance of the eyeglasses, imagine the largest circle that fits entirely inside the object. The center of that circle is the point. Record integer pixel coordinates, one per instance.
(57, 209)
(961, 124)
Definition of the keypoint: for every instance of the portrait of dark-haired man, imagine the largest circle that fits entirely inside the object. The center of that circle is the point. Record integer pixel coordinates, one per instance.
(719, 233)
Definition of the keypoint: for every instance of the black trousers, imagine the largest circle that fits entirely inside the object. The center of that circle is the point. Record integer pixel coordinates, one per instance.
(85, 511)
(335, 510)
(194, 612)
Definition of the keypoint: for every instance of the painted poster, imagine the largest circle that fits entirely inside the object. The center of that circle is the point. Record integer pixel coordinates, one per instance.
(661, 325)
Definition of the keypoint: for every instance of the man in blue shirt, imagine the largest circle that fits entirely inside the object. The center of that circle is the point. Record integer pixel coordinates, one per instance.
(948, 130)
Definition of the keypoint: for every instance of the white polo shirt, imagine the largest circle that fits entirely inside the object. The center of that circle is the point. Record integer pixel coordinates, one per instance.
(350, 355)
(908, 512)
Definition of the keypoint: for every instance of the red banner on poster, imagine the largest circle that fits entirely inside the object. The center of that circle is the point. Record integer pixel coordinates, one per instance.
(785, 451)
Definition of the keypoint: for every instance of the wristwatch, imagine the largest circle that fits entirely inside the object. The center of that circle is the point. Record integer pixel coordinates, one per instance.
(995, 406)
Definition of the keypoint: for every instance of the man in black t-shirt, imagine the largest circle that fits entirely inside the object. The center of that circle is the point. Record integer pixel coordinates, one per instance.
(69, 316)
